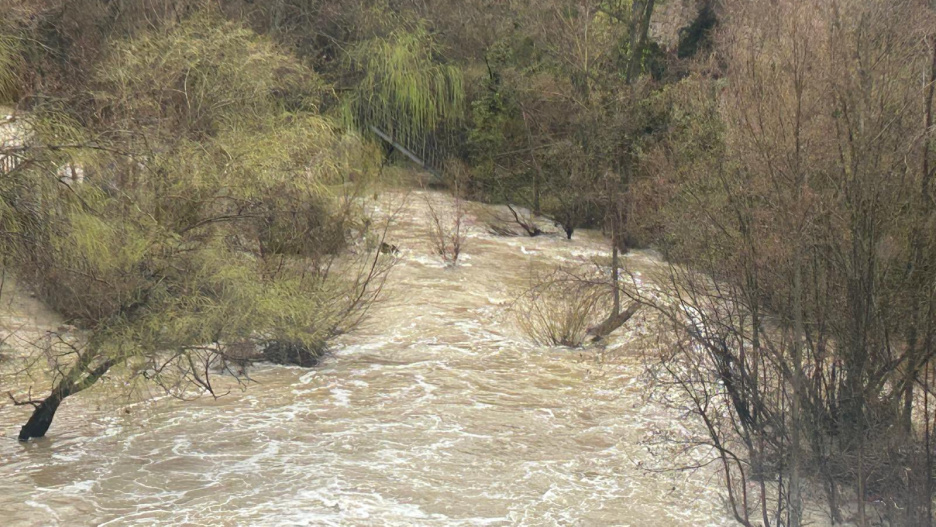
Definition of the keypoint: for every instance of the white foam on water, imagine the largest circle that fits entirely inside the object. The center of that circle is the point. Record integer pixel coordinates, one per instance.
(308, 377)
(79, 486)
(43, 507)
(341, 396)
(441, 413)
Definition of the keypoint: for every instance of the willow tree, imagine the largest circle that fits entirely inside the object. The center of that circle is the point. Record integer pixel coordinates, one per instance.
(213, 220)
(407, 94)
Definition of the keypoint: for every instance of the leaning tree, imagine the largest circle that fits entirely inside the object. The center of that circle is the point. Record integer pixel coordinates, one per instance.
(217, 215)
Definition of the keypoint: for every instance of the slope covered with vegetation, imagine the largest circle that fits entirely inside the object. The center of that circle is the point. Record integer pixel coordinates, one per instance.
(779, 153)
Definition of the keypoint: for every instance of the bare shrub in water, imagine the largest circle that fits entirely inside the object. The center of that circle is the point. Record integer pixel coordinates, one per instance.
(447, 223)
(513, 221)
(558, 311)
(447, 229)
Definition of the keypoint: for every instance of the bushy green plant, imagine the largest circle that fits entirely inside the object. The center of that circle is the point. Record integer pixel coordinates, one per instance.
(212, 217)
(406, 91)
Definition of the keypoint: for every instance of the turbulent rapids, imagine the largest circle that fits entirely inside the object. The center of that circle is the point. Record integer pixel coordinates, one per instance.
(438, 412)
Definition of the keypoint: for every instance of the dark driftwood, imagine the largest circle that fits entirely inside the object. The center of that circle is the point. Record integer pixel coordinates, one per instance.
(612, 323)
(389, 248)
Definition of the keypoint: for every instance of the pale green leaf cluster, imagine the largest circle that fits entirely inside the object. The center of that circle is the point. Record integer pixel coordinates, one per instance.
(405, 89)
(211, 219)
(205, 75)
(10, 64)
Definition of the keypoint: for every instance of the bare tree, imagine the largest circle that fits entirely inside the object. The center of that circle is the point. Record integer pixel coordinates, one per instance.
(801, 308)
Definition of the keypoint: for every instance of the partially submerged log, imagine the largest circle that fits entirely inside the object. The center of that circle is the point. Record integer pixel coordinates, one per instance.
(500, 230)
(612, 323)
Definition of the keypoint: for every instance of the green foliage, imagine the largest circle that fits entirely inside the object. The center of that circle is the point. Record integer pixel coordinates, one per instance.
(214, 210)
(9, 66)
(554, 127)
(205, 75)
(697, 36)
(571, 188)
(685, 168)
(489, 115)
(493, 113)
(405, 89)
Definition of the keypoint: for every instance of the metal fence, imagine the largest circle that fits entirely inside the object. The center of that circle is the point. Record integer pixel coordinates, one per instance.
(11, 139)
(8, 162)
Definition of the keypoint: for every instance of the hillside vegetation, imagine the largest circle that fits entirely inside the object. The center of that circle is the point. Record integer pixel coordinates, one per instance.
(191, 194)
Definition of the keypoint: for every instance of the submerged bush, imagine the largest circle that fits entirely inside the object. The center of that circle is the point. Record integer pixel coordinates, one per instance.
(558, 311)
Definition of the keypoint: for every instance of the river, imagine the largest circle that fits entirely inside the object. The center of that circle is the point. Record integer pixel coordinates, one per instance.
(437, 412)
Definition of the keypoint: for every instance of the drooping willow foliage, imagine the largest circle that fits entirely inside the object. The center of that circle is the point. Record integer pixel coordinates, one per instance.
(408, 93)
(9, 65)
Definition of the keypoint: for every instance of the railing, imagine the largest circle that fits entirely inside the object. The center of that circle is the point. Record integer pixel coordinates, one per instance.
(11, 139)
(14, 141)
(8, 162)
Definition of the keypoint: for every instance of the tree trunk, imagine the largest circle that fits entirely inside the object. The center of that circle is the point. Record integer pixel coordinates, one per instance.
(795, 485)
(641, 14)
(41, 419)
(409, 154)
(613, 322)
(538, 175)
(73, 382)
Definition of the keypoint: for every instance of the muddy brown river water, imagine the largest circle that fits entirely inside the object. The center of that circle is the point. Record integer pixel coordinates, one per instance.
(438, 412)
